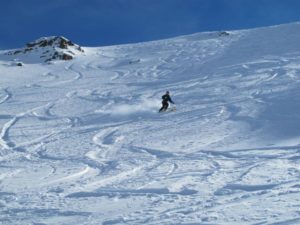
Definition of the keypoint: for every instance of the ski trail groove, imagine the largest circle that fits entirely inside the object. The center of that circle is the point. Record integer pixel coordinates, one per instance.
(105, 141)
(92, 186)
(79, 75)
(7, 96)
(8, 144)
(70, 177)
(4, 135)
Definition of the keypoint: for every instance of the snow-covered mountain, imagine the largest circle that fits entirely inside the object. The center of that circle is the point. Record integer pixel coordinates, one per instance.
(45, 49)
(81, 141)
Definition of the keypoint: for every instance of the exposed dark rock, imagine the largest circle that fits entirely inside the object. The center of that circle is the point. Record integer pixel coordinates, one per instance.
(224, 33)
(30, 45)
(28, 50)
(66, 57)
(51, 48)
(80, 49)
(17, 52)
(60, 42)
(132, 61)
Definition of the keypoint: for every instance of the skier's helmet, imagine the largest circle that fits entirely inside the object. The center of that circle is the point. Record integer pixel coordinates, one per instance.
(167, 92)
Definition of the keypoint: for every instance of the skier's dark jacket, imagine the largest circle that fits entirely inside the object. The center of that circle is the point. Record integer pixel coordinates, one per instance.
(166, 98)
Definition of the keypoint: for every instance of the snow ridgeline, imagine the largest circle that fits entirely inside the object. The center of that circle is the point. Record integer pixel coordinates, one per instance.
(81, 141)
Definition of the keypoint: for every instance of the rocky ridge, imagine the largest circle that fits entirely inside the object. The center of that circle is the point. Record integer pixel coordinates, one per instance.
(49, 49)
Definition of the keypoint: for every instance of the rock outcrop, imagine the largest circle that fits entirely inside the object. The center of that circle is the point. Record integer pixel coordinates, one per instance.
(49, 49)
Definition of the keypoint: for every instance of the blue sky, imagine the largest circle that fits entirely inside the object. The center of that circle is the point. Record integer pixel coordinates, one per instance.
(108, 22)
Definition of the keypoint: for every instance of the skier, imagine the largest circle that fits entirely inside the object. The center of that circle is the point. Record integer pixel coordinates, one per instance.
(166, 98)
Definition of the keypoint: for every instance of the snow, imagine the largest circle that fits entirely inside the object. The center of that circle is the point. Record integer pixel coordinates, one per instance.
(81, 141)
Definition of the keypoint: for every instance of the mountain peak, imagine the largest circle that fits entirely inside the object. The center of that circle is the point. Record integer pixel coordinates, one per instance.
(55, 41)
(49, 49)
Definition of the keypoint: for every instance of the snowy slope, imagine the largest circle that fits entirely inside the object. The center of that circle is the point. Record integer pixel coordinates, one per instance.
(81, 141)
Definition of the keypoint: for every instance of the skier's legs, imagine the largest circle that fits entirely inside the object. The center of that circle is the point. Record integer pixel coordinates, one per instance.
(161, 109)
(164, 107)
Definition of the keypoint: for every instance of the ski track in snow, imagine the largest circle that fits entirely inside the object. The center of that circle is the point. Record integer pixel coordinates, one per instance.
(83, 142)
(5, 96)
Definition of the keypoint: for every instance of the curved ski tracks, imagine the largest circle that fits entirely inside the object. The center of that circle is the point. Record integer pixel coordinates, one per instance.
(92, 165)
